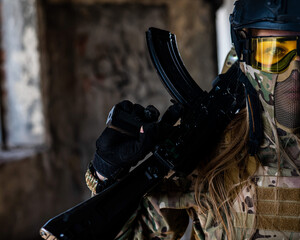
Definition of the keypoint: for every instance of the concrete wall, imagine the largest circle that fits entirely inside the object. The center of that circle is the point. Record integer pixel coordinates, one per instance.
(92, 55)
(24, 125)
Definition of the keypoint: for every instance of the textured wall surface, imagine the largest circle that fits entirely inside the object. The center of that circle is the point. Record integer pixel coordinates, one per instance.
(117, 67)
(92, 55)
(24, 125)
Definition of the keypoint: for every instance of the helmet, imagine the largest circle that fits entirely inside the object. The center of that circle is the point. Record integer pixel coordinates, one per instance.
(262, 14)
(281, 15)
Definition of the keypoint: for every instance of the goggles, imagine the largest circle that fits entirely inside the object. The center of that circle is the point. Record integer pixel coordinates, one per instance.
(273, 54)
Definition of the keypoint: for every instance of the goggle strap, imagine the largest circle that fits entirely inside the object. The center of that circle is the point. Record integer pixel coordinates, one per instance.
(298, 46)
(246, 50)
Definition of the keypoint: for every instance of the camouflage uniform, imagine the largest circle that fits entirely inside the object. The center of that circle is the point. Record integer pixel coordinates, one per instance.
(272, 206)
(164, 213)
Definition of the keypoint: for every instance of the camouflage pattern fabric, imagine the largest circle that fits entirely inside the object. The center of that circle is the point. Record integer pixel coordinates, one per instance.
(164, 213)
(277, 179)
(281, 147)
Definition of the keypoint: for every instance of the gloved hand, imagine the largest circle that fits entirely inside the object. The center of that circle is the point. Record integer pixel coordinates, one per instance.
(117, 151)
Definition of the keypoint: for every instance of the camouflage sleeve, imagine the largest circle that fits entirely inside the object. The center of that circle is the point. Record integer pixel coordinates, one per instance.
(148, 222)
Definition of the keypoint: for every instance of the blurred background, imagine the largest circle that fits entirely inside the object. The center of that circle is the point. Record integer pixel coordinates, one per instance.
(63, 65)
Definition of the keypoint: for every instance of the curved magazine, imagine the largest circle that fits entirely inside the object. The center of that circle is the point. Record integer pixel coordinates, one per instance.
(169, 65)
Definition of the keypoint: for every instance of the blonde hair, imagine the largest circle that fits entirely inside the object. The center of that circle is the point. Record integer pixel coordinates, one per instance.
(211, 190)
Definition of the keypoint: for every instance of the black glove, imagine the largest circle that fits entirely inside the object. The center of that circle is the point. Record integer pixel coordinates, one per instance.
(118, 151)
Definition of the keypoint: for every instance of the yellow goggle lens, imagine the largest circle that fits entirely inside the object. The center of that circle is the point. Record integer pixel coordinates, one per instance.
(273, 54)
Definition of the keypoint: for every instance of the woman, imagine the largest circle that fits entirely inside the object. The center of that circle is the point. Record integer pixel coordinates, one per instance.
(250, 187)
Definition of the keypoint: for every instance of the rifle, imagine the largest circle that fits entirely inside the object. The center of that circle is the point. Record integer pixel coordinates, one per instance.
(206, 116)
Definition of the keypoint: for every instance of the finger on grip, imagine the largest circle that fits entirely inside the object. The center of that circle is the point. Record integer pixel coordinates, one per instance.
(173, 114)
(151, 114)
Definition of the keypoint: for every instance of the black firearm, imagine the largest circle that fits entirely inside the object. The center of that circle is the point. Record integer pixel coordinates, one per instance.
(206, 116)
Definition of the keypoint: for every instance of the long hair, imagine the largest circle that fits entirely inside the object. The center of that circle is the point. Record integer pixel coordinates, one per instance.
(211, 190)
